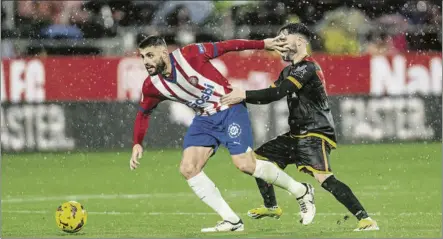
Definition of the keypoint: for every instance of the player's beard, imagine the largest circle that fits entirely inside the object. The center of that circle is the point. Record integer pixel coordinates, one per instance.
(160, 67)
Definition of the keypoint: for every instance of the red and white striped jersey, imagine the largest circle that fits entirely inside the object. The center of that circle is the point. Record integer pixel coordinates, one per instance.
(194, 81)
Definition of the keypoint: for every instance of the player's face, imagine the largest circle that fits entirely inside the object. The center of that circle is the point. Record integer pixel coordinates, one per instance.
(154, 59)
(294, 43)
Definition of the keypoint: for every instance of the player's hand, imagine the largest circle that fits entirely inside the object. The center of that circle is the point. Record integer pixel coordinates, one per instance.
(137, 152)
(236, 96)
(277, 43)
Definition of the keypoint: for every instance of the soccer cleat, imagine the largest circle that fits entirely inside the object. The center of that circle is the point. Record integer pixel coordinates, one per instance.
(261, 212)
(226, 226)
(307, 205)
(367, 224)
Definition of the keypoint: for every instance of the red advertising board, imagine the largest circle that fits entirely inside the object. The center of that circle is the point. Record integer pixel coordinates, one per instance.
(108, 79)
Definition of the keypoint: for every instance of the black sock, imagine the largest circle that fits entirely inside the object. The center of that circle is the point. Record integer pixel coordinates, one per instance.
(267, 192)
(345, 196)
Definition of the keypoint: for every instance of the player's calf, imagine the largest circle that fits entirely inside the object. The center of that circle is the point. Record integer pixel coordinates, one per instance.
(345, 196)
(194, 159)
(267, 192)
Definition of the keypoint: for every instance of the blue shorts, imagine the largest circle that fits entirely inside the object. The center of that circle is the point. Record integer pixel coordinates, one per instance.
(230, 127)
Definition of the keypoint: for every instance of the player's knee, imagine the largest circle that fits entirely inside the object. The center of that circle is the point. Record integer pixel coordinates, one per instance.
(321, 177)
(189, 170)
(245, 165)
(194, 159)
(246, 168)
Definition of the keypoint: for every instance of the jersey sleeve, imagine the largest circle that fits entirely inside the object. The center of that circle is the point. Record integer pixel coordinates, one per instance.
(283, 86)
(278, 81)
(216, 49)
(147, 104)
(300, 75)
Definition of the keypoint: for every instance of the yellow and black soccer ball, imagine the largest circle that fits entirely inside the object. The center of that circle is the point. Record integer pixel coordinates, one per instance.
(71, 217)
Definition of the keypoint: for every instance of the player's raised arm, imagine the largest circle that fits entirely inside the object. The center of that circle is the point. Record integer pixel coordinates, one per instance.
(141, 125)
(216, 49)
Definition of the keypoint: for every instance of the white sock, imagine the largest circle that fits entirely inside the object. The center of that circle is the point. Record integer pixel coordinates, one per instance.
(209, 194)
(274, 175)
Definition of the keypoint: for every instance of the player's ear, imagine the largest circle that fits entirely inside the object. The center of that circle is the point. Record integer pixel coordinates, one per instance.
(165, 54)
(300, 41)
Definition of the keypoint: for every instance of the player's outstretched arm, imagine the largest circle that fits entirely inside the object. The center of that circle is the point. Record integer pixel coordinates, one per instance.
(216, 49)
(292, 83)
(264, 96)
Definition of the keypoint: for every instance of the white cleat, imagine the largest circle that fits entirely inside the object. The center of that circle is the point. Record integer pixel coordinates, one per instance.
(307, 205)
(226, 226)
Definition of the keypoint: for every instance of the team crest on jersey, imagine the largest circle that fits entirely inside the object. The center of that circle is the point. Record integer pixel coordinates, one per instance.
(234, 130)
(300, 71)
(193, 80)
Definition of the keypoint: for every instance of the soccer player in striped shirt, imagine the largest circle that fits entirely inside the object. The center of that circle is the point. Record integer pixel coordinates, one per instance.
(187, 76)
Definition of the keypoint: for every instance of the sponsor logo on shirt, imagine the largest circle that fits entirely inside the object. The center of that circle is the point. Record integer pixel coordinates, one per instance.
(206, 94)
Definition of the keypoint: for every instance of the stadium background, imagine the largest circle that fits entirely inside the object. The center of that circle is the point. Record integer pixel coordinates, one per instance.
(71, 80)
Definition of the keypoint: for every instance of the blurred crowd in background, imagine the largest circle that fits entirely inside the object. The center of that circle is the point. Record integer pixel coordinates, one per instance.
(341, 26)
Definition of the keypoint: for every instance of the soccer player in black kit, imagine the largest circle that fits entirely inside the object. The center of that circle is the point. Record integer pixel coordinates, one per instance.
(312, 132)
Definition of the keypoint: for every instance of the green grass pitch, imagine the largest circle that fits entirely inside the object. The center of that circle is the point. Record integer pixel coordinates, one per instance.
(400, 186)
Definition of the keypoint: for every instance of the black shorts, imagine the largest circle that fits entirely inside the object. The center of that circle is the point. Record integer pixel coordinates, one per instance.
(310, 153)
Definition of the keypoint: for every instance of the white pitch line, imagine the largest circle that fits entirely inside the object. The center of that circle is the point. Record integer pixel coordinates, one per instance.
(240, 193)
(114, 196)
(47, 212)
(402, 214)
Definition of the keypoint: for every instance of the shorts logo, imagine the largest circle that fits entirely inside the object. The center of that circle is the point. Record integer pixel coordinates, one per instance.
(234, 130)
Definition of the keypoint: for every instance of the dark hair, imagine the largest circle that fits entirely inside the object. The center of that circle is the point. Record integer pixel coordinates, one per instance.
(297, 28)
(152, 41)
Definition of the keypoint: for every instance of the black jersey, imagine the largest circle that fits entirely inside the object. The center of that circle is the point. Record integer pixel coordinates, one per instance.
(303, 84)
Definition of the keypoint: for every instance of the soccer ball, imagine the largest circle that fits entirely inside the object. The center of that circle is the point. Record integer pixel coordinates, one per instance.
(71, 217)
